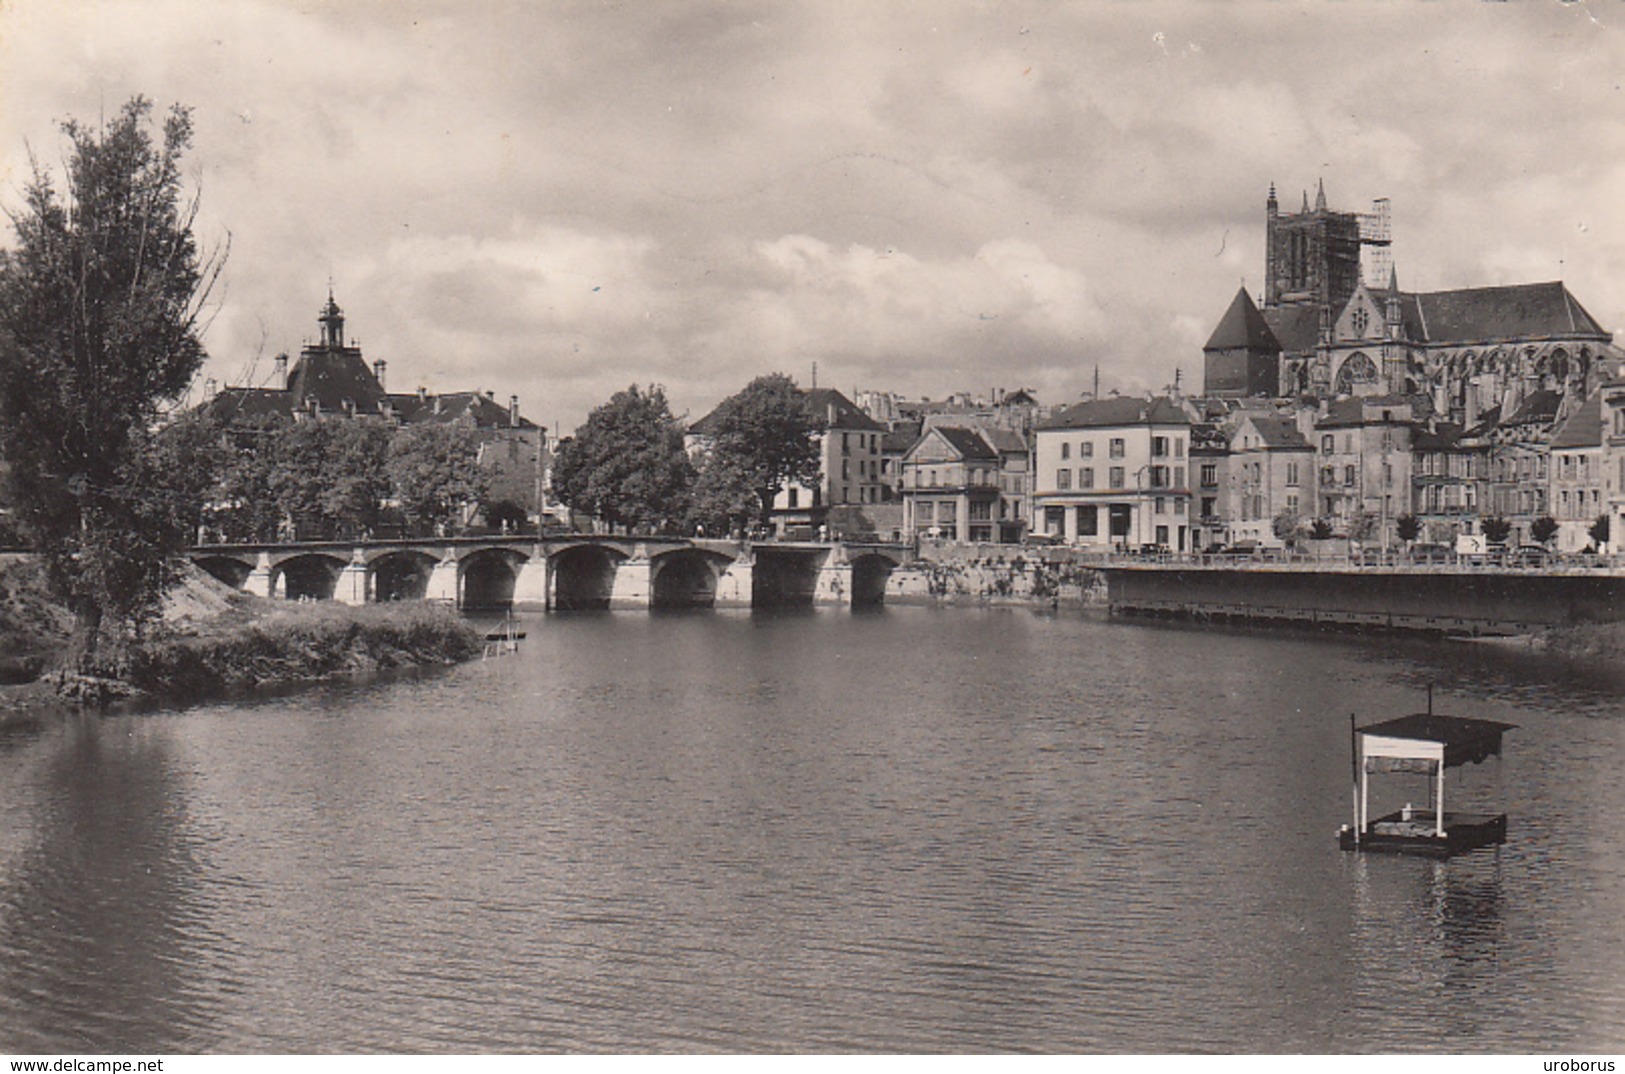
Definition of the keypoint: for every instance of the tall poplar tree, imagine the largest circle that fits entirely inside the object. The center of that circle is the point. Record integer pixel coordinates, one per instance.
(100, 300)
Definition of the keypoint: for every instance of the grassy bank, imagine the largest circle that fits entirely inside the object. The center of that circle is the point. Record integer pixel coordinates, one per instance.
(1586, 641)
(214, 641)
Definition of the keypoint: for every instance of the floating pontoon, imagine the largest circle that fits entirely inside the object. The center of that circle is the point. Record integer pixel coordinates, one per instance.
(1422, 743)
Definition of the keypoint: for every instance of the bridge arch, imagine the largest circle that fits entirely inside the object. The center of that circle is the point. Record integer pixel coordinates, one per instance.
(307, 576)
(870, 573)
(686, 578)
(486, 578)
(400, 575)
(227, 570)
(584, 576)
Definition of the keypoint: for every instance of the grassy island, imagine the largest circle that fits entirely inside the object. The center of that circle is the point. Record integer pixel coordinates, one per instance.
(213, 641)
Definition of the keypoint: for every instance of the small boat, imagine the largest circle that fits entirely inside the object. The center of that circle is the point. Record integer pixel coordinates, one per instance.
(1423, 743)
(502, 641)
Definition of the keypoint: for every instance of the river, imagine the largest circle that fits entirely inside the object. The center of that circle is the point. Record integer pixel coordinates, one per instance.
(916, 829)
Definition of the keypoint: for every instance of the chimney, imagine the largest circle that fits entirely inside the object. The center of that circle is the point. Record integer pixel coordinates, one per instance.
(513, 411)
(282, 370)
(491, 395)
(378, 368)
(210, 387)
(423, 394)
(437, 404)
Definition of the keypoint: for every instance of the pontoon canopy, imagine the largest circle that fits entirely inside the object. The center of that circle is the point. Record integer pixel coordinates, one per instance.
(1424, 736)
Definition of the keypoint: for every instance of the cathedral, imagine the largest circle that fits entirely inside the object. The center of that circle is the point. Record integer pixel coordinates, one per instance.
(1334, 324)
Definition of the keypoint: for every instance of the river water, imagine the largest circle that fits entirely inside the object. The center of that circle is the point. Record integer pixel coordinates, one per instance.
(915, 829)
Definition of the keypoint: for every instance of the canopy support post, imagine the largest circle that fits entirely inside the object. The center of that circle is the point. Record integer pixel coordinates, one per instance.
(1438, 802)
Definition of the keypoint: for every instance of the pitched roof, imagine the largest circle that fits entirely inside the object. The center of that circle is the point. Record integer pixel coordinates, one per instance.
(1279, 434)
(1242, 328)
(1296, 328)
(481, 409)
(967, 442)
(1538, 407)
(1004, 441)
(835, 410)
(901, 438)
(1123, 410)
(1489, 314)
(1583, 428)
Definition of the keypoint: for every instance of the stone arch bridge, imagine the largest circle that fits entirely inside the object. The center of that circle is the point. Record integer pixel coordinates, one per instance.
(561, 572)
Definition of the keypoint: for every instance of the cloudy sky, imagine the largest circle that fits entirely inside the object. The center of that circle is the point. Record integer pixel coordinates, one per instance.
(557, 199)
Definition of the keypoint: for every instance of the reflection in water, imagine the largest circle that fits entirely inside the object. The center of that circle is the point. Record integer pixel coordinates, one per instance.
(106, 946)
(912, 829)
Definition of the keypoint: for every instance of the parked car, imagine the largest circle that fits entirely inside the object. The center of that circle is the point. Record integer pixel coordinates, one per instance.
(1528, 555)
(1431, 553)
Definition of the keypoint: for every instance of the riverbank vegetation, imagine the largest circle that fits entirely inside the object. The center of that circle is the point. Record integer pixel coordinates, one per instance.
(1586, 641)
(210, 641)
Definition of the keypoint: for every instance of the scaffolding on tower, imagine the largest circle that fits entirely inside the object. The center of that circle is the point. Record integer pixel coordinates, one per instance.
(1376, 243)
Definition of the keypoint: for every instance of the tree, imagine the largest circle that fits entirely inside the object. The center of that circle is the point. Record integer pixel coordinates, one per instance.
(1320, 530)
(761, 439)
(100, 301)
(329, 477)
(246, 506)
(627, 465)
(434, 470)
(1599, 531)
(1409, 528)
(1497, 530)
(1287, 527)
(1543, 529)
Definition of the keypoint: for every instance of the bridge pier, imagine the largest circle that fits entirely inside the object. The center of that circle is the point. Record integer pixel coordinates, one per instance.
(734, 583)
(442, 586)
(834, 584)
(351, 587)
(259, 579)
(633, 588)
(533, 583)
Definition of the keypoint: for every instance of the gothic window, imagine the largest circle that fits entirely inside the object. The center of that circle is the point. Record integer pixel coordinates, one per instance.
(1357, 369)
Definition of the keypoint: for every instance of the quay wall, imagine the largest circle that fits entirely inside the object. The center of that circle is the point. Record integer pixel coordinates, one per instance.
(1443, 601)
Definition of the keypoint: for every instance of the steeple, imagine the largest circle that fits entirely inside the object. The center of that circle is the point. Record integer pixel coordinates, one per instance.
(1320, 196)
(332, 322)
(1270, 204)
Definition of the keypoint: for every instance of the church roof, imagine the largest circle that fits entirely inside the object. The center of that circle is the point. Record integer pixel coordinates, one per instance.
(1583, 428)
(1295, 328)
(1492, 314)
(1242, 328)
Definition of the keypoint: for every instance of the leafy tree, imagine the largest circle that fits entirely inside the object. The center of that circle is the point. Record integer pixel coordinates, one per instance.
(1287, 527)
(330, 478)
(1599, 531)
(1320, 530)
(505, 515)
(246, 506)
(434, 469)
(1543, 529)
(1409, 528)
(627, 465)
(99, 327)
(761, 439)
(1364, 526)
(724, 500)
(1497, 530)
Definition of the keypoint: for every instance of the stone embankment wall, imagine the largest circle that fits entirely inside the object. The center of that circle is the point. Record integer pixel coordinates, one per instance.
(994, 574)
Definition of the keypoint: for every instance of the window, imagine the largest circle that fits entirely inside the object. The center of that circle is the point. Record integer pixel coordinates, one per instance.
(845, 447)
(1179, 447)
(1179, 477)
(1088, 521)
(1210, 506)
(1292, 503)
(1327, 444)
(1179, 507)
(1086, 450)
(846, 469)
(1086, 477)
(1115, 477)
(981, 511)
(795, 495)
(1066, 451)
(1063, 479)
(1159, 447)
(1210, 473)
(1348, 475)
(1159, 477)
(1159, 506)
(1055, 521)
(1115, 448)
(1292, 473)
